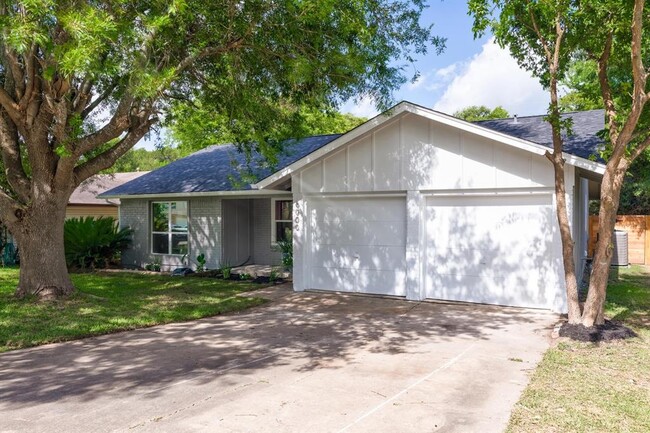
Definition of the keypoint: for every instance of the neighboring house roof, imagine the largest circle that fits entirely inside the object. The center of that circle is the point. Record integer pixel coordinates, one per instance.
(584, 140)
(216, 168)
(219, 168)
(87, 192)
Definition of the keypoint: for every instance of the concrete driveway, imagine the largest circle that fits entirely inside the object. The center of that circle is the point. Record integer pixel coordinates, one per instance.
(303, 363)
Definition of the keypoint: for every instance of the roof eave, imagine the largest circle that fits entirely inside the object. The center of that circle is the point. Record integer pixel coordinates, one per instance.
(243, 193)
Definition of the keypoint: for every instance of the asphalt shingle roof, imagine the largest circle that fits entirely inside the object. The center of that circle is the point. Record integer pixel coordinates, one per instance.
(583, 142)
(216, 168)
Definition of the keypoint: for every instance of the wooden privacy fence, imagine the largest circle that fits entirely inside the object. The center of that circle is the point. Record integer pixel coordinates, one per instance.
(638, 235)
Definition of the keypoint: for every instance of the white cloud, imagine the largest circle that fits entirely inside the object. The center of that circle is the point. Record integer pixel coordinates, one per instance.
(362, 108)
(447, 71)
(492, 77)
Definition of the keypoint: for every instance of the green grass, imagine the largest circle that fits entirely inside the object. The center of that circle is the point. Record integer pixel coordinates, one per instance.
(112, 302)
(588, 387)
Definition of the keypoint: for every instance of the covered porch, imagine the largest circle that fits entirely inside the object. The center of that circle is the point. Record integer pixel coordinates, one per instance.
(251, 228)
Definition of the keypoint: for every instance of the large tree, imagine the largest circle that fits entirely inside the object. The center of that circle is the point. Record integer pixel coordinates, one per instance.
(81, 82)
(545, 36)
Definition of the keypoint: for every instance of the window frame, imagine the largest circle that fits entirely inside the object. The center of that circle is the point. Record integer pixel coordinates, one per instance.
(169, 231)
(274, 240)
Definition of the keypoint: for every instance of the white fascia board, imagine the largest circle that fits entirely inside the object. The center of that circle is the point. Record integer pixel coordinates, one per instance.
(226, 194)
(436, 117)
(503, 138)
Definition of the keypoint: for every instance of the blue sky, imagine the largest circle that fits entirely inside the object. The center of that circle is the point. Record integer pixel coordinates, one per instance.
(468, 72)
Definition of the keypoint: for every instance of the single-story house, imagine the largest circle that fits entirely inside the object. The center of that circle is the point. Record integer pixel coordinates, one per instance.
(413, 203)
(84, 202)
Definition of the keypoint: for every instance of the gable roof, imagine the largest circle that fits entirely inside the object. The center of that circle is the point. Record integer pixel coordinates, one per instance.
(584, 146)
(215, 168)
(218, 169)
(87, 192)
(584, 140)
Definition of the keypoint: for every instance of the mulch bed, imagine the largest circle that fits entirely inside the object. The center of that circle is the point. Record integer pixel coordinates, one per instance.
(605, 332)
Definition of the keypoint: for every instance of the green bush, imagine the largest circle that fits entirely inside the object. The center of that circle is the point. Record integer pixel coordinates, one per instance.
(94, 243)
(285, 246)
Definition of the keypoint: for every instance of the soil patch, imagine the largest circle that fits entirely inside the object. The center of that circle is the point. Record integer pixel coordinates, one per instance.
(605, 332)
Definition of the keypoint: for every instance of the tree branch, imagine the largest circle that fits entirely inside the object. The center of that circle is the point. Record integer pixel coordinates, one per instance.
(85, 112)
(11, 159)
(108, 158)
(113, 129)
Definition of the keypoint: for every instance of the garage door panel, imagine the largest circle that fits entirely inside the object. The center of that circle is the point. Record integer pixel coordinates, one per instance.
(498, 250)
(381, 282)
(334, 211)
(344, 280)
(358, 244)
(359, 257)
(360, 233)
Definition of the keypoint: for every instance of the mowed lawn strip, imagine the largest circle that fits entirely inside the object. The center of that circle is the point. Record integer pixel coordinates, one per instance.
(589, 387)
(111, 302)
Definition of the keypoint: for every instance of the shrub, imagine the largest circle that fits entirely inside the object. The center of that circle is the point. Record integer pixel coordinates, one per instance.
(285, 246)
(94, 243)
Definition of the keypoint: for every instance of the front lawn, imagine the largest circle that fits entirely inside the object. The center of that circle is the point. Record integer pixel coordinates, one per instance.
(113, 302)
(588, 387)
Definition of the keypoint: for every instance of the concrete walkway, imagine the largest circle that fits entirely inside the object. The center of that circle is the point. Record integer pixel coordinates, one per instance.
(303, 363)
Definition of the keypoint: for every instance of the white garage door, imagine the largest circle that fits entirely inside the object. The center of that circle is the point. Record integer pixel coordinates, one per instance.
(500, 250)
(358, 245)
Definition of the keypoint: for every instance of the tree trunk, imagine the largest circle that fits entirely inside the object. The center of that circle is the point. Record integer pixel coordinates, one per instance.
(609, 200)
(570, 280)
(39, 234)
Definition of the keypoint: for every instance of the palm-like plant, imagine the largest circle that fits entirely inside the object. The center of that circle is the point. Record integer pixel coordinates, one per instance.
(91, 243)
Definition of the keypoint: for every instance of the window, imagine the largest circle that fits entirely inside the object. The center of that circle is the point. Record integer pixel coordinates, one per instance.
(169, 227)
(281, 220)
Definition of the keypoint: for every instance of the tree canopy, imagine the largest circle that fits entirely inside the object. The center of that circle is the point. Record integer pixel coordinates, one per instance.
(474, 113)
(82, 82)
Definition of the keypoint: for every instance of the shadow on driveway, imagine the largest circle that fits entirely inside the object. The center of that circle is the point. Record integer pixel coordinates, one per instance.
(308, 331)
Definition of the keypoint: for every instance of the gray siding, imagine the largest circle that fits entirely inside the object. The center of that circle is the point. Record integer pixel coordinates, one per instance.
(135, 214)
(204, 233)
(205, 230)
(262, 251)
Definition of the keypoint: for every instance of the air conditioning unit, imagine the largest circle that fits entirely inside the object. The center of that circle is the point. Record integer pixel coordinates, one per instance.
(620, 254)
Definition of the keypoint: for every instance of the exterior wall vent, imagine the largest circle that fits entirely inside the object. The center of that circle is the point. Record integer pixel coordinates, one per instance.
(620, 253)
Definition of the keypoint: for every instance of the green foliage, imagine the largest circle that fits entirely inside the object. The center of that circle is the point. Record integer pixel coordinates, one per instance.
(581, 81)
(226, 270)
(94, 243)
(285, 246)
(145, 160)
(200, 259)
(113, 302)
(474, 113)
(155, 266)
(193, 127)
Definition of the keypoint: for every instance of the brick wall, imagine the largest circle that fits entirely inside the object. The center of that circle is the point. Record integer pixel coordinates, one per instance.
(205, 230)
(204, 233)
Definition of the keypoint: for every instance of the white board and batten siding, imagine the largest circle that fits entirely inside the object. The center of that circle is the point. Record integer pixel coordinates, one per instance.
(393, 200)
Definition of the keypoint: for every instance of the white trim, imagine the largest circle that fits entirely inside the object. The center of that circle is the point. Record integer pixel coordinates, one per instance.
(407, 107)
(274, 241)
(169, 231)
(322, 195)
(488, 192)
(187, 195)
